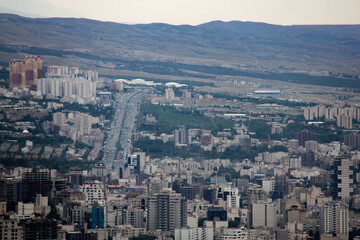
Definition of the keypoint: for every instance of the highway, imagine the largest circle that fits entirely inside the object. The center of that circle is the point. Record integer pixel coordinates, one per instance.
(117, 146)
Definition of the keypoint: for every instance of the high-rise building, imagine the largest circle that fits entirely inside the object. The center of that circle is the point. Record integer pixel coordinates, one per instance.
(94, 192)
(344, 121)
(9, 193)
(309, 113)
(66, 87)
(189, 192)
(166, 211)
(40, 228)
(262, 214)
(294, 162)
(91, 75)
(169, 94)
(37, 181)
(334, 218)
(304, 136)
(342, 178)
(352, 140)
(77, 215)
(98, 216)
(281, 187)
(25, 73)
(210, 194)
(181, 137)
(311, 145)
(135, 217)
(255, 194)
(9, 228)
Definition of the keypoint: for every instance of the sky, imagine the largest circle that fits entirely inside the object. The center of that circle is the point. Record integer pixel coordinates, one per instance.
(193, 12)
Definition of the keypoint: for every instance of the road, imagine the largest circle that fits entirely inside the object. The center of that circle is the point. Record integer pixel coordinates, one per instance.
(117, 145)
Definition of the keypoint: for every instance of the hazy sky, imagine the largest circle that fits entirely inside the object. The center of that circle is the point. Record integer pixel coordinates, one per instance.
(285, 12)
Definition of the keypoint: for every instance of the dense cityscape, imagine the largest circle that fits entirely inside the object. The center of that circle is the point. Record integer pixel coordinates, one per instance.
(217, 131)
(87, 157)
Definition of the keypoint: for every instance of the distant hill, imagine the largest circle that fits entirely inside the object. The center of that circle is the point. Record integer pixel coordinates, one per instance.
(239, 45)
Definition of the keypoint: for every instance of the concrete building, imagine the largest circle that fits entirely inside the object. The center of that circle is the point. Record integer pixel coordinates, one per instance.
(181, 137)
(169, 94)
(40, 228)
(9, 228)
(235, 234)
(91, 75)
(352, 140)
(25, 73)
(194, 234)
(344, 121)
(94, 192)
(133, 217)
(166, 211)
(262, 214)
(334, 218)
(66, 87)
(342, 178)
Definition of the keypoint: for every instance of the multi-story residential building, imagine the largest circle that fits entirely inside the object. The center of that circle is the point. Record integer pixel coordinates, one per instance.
(181, 137)
(134, 217)
(77, 215)
(94, 192)
(262, 214)
(9, 228)
(9, 192)
(40, 228)
(25, 73)
(169, 94)
(235, 234)
(166, 211)
(352, 140)
(66, 87)
(37, 181)
(194, 234)
(344, 121)
(304, 136)
(342, 178)
(334, 218)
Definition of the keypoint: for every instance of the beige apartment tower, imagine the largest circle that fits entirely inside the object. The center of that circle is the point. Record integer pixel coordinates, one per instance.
(25, 73)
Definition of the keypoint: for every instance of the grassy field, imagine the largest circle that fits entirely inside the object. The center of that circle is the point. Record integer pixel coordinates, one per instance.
(169, 118)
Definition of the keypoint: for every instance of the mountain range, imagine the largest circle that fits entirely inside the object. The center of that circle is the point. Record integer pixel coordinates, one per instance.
(245, 46)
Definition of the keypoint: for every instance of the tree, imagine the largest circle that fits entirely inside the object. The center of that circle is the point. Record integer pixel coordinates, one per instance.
(233, 224)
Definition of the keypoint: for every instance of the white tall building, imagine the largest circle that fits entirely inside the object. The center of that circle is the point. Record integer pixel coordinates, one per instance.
(235, 234)
(194, 234)
(334, 218)
(232, 198)
(66, 87)
(262, 214)
(169, 94)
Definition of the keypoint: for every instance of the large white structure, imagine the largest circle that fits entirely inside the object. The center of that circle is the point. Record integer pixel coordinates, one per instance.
(94, 192)
(169, 94)
(235, 234)
(342, 178)
(334, 218)
(262, 214)
(194, 234)
(232, 198)
(66, 87)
